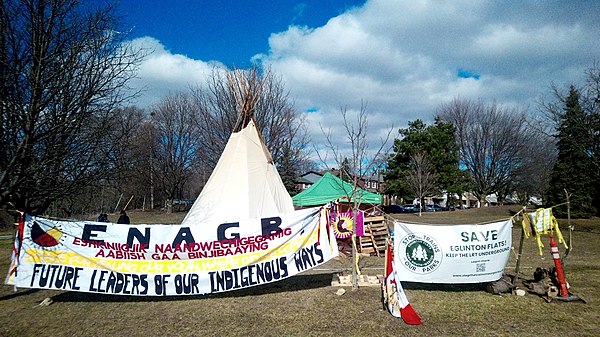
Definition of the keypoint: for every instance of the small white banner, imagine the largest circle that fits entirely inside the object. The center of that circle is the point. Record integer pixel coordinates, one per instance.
(451, 253)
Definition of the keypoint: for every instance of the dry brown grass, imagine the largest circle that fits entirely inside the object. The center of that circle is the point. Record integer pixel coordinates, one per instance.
(306, 305)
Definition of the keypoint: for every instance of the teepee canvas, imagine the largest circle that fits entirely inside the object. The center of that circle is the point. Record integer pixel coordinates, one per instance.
(245, 183)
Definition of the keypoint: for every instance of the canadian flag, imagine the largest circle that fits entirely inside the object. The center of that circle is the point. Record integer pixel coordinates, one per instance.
(394, 295)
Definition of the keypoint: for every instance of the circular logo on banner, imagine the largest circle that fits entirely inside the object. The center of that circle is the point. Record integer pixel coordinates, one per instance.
(343, 227)
(45, 235)
(421, 255)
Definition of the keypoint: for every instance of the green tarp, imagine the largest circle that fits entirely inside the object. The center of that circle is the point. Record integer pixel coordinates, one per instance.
(331, 188)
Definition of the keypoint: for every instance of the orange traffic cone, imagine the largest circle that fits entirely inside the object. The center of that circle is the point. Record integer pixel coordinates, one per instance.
(560, 274)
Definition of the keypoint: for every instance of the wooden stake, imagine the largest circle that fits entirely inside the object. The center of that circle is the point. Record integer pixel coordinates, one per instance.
(384, 293)
(127, 204)
(518, 264)
(354, 254)
(118, 202)
(568, 224)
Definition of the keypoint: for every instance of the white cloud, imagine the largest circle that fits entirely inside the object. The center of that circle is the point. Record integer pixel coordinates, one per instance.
(162, 72)
(403, 58)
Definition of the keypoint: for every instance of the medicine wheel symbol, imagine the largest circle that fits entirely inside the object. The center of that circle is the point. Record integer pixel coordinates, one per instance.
(45, 238)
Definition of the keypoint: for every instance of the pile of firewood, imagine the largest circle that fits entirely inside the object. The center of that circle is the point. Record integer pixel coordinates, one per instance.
(544, 283)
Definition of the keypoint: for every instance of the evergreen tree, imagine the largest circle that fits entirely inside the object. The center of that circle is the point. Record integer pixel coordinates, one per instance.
(438, 143)
(573, 169)
(346, 171)
(419, 253)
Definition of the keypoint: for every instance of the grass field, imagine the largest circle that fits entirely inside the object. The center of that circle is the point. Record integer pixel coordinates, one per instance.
(307, 305)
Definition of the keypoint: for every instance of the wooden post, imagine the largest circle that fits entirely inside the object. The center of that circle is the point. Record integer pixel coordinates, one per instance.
(127, 204)
(118, 202)
(354, 253)
(518, 264)
(570, 227)
(384, 293)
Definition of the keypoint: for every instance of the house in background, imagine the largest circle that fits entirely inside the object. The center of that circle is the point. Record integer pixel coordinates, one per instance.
(371, 184)
(306, 180)
(331, 188)
(376, 184)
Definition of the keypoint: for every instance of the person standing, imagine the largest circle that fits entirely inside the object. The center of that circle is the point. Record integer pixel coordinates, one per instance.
(103, 217)
(123, 218)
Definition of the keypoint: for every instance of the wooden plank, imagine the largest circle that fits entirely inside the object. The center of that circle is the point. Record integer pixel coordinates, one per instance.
(363, 280)
(376, 233)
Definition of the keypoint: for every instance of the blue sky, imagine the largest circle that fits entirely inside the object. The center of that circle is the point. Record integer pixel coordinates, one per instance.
(231, 32)
(402, 58)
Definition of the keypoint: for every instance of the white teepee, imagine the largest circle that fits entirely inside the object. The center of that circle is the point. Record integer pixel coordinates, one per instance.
(245, 183)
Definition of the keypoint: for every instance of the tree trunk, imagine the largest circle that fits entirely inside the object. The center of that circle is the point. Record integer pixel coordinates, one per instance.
(170, 205)
(354, 253)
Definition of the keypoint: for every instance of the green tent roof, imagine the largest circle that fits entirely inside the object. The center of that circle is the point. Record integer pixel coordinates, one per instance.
(330, 188)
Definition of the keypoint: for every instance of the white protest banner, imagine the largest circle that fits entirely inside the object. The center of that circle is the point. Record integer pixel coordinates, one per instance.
(451, 253)
(165, 260)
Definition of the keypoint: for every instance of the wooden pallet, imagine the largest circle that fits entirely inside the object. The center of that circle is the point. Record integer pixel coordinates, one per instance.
(340, 280)
(376, 234)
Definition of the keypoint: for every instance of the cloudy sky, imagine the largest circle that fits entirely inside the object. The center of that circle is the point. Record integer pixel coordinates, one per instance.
(403, 58)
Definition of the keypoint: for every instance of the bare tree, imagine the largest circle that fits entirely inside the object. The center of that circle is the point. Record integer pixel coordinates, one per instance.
(283, 129)
(360, 162)
(492, 140)
(532, 177)
(552, 109)
(123, 154)
(177, 143)
(591, 103)
(421, 177)
(63, 69)
(145, 144)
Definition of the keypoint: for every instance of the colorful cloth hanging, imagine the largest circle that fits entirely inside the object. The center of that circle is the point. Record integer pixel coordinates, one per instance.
(344, 224)
(541, 222)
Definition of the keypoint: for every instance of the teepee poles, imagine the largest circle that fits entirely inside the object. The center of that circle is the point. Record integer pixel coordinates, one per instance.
(246, 88)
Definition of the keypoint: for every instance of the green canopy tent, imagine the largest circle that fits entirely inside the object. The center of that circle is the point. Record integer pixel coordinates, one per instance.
(330, 188)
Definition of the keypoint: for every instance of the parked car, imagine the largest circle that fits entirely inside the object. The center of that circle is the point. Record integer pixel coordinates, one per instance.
(437, 208)
(394, 209)
(425, 208)
(410, 208)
